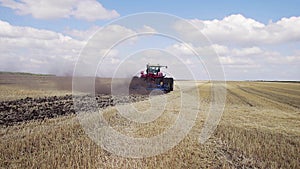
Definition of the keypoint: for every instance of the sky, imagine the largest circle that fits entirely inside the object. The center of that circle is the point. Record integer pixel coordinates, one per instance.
(253, 40)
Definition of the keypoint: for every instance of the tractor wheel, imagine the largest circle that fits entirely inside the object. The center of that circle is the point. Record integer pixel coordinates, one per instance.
(169, 82)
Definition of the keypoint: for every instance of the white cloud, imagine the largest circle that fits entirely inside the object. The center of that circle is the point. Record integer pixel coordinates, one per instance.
(42, 51)
(89, 10)
(239, 30)
(110, 35)
(186, 49)
(181, 49)
(10, 31)
(36, 50)
(247, 48)
(231, 60)
(147, 29)
(275, 58)
(247, 51)
(220, 49)
(86, 34)
(245, 62)
(82, 34)
(92, 10)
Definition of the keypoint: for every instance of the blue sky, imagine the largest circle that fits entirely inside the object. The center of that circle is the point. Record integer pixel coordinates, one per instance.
(262, 11)
(214, 9)
(254, 39)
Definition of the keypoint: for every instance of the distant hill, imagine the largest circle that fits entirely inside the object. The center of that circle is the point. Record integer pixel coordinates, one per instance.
(23, 73)
(278, 81)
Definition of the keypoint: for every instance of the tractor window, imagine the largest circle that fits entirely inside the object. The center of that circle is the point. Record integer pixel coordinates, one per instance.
(153, 70)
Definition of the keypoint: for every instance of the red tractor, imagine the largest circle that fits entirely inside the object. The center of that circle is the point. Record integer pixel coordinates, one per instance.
(152, 79)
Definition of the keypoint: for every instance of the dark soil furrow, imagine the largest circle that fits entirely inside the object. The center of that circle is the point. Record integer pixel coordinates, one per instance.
(22, 110)
(277, 90)
(241, 98)
(274, 97)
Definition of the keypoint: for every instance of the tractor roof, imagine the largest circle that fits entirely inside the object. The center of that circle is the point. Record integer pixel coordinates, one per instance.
(157, 65)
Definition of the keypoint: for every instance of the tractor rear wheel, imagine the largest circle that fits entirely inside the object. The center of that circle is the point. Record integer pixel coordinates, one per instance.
(169, 83)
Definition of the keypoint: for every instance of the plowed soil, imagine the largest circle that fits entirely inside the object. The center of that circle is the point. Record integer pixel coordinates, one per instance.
(23, 110)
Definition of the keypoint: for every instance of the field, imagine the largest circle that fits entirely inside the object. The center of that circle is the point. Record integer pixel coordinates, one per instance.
(260, 128)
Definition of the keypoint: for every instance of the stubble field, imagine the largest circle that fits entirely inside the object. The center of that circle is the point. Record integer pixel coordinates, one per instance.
(260, 128)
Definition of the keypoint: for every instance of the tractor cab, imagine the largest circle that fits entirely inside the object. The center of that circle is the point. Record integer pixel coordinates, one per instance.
(153, 71)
